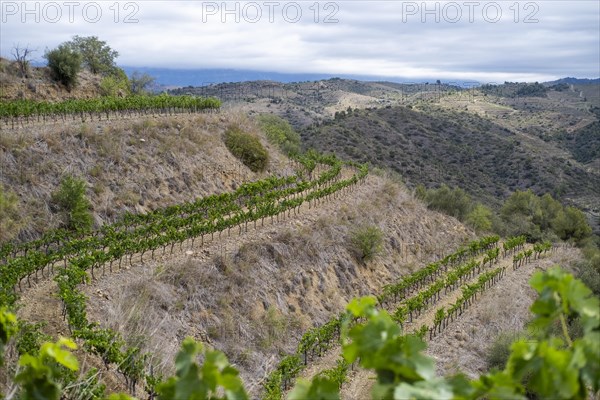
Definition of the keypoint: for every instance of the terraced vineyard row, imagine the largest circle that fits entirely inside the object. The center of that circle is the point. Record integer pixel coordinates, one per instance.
(19, 112)
(471, 291)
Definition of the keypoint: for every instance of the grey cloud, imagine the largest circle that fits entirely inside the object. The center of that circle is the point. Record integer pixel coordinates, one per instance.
(371, 37)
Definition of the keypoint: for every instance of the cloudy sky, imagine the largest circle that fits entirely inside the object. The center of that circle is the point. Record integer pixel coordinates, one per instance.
(479, 40)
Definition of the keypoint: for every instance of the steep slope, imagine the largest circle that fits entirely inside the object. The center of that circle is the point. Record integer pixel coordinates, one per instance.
(136, 164)
(253, 294)
(39, 85)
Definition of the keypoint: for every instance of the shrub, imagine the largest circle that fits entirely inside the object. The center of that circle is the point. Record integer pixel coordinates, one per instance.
(367, 242)
(115, 84)
(280, 133)
(65, 64)
(10, 221)
(71, 201)
(454, 202)
(247, 148)
(480, 218)
(571, 224)
(500, 350)
(590, 275)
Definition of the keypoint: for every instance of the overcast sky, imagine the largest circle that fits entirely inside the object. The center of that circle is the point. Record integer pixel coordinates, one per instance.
(479, 40)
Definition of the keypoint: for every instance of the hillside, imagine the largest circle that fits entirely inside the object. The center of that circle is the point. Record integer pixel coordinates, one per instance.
(517, 136)
(433, 146)
(299, 272)
(250, 263)
(304, 103)
(39, 85)
(132, 165)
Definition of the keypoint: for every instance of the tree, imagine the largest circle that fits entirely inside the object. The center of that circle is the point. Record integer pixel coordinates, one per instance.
(480, 218)
(141, 83)
(571, 224)
(550, 209)
(65, 64)
(279, 132)
(21, 56)
(520, 212)
(70, 199)
(96, 55)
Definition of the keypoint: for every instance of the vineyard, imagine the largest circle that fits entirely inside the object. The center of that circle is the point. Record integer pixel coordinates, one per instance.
(77, 258)
(424, 302)
(469, 268)
(20, 112)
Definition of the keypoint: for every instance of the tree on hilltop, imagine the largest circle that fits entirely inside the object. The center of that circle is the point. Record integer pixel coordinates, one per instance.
(96, 55)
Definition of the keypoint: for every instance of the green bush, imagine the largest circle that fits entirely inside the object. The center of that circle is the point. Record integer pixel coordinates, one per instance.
(480, 218)
(280, 133)
(10, 220)
(454, 202)
(540, 218)
(71, 202)
(367, 241)
(500, 350)
(247, 148)
(571, 224)
(65, 64)
(590, 275)
(115, 84)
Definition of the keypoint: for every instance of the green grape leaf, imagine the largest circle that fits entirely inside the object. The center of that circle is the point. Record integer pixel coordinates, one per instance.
(64, 357)
(589, 346)
(497, 385)
(362, 306)
(319, 388)
(436, 388)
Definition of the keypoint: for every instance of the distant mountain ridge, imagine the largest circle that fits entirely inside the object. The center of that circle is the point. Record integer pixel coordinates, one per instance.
(574, 81)
(167, 77)
(174, 77)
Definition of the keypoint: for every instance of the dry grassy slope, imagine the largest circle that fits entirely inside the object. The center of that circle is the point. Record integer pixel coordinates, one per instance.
(132, 164)
(254, 295)
(302, 103)
(39, 84)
